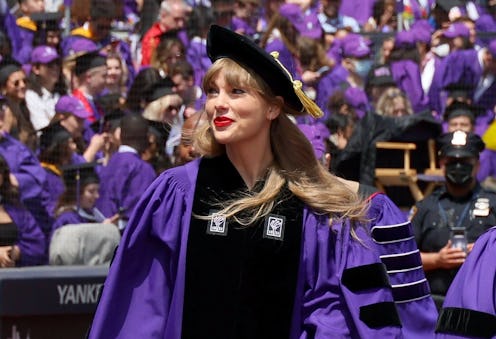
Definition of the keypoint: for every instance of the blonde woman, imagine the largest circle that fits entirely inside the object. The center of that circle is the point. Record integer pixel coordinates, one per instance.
(253, 240)
(394, 103)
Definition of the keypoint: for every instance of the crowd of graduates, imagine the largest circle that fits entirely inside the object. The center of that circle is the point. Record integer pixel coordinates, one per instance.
(95, 105)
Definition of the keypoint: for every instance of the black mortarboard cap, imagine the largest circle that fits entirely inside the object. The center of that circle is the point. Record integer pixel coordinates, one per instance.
(224, 43)
(159, 129)
(161, 88)
(460, 144)
(8, 66)
(459, 90)
(88, 61)
(47, 21)
(53, 134)
(109, 121)
(458, 108)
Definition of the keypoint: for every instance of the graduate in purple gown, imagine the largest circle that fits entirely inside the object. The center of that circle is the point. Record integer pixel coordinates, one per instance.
(29, 175)
(255, 239)
(126, 175)
(77, 203)
(406, 71)
(469, 310)
(22, 243)
(56, 150)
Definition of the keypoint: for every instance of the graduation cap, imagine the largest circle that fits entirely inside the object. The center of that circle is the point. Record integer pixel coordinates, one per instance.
(8, 66)
(47, 21)
(460, 144)
(52, 135)
(161, 88)
(381, 75)
(160, 129)
(109, 122)
(459, 108)
(459, 90)
(224, 43)
(78, 176)
(88, 61)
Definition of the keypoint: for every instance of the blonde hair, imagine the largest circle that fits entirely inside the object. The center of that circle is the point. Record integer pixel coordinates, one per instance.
(385, 103)
(294, 162)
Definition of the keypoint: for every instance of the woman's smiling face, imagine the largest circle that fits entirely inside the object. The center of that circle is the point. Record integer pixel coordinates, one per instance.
(237, 113)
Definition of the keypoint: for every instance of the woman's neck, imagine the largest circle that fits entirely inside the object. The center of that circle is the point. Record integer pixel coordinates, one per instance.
(251, 161)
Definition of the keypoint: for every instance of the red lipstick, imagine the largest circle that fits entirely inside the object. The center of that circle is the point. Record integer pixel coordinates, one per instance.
(222, 122)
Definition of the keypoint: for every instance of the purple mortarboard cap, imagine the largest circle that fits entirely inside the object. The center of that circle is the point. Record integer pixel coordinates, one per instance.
(485, 23)
(316, 137)
(70, 104)
(354, 46)
(457, 29)
(404, 39)
(307, 25)
(422, 31)
(356, 98)
(492, 48)
(43, 55)
(79, 46)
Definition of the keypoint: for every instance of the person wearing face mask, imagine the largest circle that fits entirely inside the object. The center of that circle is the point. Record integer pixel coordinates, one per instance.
(448, 222)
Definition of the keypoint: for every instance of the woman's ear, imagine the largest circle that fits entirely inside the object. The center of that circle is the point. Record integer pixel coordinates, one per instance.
(275, 109)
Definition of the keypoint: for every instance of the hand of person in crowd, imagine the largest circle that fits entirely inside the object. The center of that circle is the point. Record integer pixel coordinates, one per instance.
(310, 77)
(172, 103)
(470, 246)
(97, 143)
(13, 180)
(450, 257)
(6, 257)
(112, 220)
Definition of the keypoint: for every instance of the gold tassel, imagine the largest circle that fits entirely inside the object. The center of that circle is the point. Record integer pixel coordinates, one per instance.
(309, 105)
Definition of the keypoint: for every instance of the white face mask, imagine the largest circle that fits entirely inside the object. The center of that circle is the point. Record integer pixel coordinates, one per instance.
(441, 50)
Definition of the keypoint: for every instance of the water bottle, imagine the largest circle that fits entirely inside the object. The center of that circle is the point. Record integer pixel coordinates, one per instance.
(459, 238)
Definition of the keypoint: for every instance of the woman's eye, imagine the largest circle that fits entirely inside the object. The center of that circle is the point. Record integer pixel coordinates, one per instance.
(238, 91)
(212, 90)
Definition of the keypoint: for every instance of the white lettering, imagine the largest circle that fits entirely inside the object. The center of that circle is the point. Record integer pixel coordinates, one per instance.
(78, 294)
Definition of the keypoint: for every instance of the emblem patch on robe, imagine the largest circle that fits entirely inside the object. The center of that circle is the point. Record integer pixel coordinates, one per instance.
(217, 224)
(274, 227)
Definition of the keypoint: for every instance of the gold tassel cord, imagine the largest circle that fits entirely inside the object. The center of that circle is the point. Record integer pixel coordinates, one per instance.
(309, 105)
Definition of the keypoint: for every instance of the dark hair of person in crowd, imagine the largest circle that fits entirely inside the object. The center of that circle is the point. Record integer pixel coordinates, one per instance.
(312, 54)
(5, 44)
(141, 88)
(169, 50)
(134, 132)
(200, 20)
(8, 193)
(288, 31)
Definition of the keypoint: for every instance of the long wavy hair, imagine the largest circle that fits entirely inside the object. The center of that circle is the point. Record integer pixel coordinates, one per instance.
(294, 163)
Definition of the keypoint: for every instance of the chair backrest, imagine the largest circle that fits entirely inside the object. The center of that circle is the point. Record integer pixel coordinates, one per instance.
(83, 244)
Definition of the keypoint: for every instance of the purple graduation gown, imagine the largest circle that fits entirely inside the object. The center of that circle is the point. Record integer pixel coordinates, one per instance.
(395, 243)
(31, 176)
(31, 239)
(144, 291)
(197, 56)
(54, 185)
(487, 160)
(122, 183)
(406, 73)
(474, 285)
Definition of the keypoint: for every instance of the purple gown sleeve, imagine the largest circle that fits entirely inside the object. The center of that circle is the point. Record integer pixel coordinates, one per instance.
(31, 238)
(143, 293)
(406, 74)
(395, 243)
(474, 287)
(329, 309)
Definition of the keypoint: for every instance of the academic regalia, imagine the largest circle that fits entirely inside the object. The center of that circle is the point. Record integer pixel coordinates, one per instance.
(328, 84)
(406, 74)
(248, 28)
(54, 185)
(146, 281)
(122, 183)
(487, 167)
(359, 9)
(394, 240)
(31, 238)
(469, 309)
(27, 29)
(31, 177)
